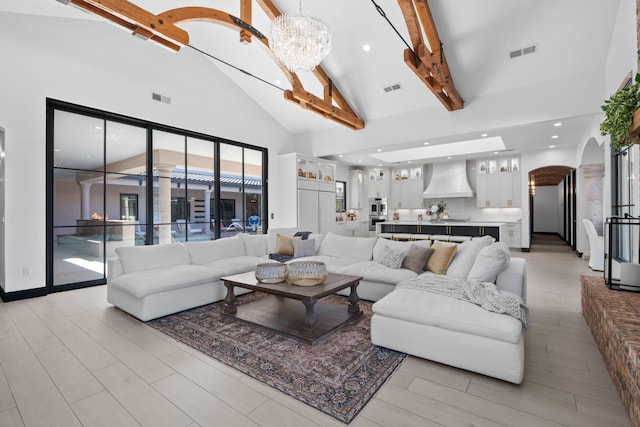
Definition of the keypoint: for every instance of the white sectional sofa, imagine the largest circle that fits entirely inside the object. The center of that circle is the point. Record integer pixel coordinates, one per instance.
(154, 281)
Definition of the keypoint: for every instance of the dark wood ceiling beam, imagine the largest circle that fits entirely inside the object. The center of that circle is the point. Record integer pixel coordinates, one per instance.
(428, 63)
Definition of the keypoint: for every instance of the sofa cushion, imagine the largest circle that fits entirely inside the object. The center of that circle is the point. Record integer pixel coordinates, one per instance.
(448, 313)
(229, 266)
(390, 258)
(254, 244)
(139, 258)
(140, 284)
(205, 252)
(360, 248)
(416, 259)
(374, 272)
(490, 262)
(334, 264)
(302, 248)
(466, 255)
(441, 257)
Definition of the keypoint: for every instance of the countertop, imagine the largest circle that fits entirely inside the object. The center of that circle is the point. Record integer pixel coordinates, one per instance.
(447, 223)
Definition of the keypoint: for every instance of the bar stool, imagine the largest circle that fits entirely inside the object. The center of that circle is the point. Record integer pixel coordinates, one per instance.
(459, 239)
(402, 236)
(421, 237)
(440, 237)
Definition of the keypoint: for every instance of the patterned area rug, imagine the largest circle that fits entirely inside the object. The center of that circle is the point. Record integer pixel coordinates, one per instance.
(337, 376)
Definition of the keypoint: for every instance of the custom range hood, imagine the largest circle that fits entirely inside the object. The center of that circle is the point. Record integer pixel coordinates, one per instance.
(448, 180)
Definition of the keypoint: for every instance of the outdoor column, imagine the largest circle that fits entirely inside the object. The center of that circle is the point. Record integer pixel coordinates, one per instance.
(164, 201)
(207, 208)
(85, 201)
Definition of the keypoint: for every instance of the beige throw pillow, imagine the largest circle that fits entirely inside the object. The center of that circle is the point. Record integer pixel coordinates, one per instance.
(441, 257)
(284, 245)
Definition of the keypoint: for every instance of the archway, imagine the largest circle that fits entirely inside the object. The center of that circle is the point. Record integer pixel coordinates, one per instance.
(552, 209)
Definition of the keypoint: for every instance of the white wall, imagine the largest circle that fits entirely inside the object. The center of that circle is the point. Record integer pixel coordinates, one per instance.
(545, 211)
(106, 68)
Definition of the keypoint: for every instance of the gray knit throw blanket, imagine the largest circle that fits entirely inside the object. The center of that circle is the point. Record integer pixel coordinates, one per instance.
(484, 294)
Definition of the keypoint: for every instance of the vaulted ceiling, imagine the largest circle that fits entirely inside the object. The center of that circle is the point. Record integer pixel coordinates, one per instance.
(518, 99)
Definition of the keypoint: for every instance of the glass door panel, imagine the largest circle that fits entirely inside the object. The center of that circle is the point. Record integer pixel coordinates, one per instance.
(231, 190)
(200, 176)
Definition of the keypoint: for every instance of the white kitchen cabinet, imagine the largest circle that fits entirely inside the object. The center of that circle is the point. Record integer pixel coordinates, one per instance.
(406, 188)
(499, 183)
(377, 182)
(488, 191)
(307, 193)
(512, 235)
(355, 195)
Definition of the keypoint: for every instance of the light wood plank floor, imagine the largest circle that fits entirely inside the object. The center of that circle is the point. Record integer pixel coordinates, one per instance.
(71, 359)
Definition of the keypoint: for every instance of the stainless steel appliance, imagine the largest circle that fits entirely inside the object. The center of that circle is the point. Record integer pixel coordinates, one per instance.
(378, 206)
(373, 220)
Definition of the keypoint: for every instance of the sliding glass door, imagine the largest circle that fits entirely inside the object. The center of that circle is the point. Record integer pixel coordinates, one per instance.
(116, 181)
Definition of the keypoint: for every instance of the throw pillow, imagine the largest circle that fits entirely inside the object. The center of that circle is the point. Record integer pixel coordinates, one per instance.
(284, 245)
(416, 259)
(466, 255)
(390, 258)
(303, 247)
(490, 262)
(441, 258)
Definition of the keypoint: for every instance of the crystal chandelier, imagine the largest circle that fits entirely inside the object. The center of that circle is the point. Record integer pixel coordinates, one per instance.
(299, 42)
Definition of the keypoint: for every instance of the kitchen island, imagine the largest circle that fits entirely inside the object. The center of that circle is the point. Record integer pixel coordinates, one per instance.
(452, 228)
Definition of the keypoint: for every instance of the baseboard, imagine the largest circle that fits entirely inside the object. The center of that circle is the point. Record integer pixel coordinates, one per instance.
(18, 295)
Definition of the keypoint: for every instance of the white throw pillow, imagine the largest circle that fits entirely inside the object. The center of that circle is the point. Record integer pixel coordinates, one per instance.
(392, 244)
(490, 262)
(466, 255)
(254, 245)
(360, 248)
(390, 258)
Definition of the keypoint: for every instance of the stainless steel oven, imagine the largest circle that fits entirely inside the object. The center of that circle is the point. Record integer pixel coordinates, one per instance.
(378, 206)
(373, 220)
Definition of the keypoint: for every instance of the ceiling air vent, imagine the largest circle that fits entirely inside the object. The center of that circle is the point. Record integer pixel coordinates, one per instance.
(160, 98)
(523, 51)
(392, 87)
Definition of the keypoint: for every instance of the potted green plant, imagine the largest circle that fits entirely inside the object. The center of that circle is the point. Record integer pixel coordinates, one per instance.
(619, 114)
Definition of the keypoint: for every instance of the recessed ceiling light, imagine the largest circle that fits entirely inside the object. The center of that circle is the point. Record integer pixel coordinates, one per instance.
(484, 134)
(557, 124)
(359, 161)
(380, 166)
(379, 150)
(554, 137)
(340, 155)
(278, 82)
(495, 152)
(366, 47)
(552, 146)
(56, 150)
(426, 143)
(409, 161)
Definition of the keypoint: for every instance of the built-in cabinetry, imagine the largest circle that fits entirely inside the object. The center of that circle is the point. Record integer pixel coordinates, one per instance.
(406, 188)
(512, 234)
(354, 228)
(377, 182)
(499, 183)
(356, 196)
(314, 197)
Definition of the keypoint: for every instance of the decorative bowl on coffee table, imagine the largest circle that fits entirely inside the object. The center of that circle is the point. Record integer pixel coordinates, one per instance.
(271, 272)
(306, 273)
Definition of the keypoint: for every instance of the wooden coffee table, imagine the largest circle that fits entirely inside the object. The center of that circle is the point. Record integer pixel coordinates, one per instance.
(294, 310)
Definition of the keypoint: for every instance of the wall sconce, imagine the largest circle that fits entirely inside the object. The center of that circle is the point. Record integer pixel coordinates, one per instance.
(532, 185)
